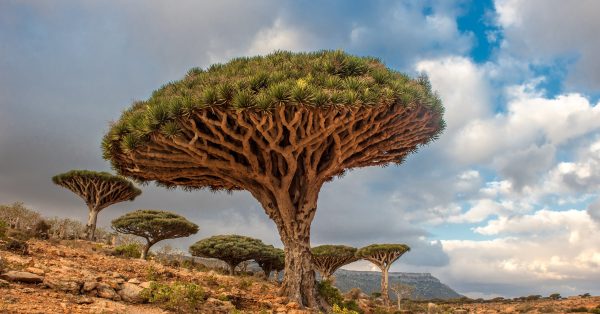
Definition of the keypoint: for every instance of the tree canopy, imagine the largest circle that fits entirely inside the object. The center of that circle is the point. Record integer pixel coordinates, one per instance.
(278, 126)
(154, 226)
(98, 189)
(382, 255)
(328, 258)
(232, 249)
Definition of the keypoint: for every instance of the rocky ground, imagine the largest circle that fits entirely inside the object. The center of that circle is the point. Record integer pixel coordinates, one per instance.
(77, 277)
(82, 277)
(568, 305)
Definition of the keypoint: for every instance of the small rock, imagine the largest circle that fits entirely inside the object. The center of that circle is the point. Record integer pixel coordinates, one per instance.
(131, 293)
(4, 283)
(35, 270)
(134, 281)
(89, 286)
(106, 292)
(146, 284)
(84, 300)
(218, 306)
(21, 276)
(292, 305)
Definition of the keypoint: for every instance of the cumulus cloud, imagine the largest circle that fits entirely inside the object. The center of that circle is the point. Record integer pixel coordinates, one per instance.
(594, 211)
(543, 31)
(534, 253)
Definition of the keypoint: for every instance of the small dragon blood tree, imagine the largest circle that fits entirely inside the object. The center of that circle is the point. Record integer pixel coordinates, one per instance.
(99, 190)
(231, 249)
(154, 226)
(278, 126)
(328, 258)
(271, 259)
(383, 256)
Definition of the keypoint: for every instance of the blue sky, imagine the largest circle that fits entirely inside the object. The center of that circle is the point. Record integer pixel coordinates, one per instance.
(504, 203)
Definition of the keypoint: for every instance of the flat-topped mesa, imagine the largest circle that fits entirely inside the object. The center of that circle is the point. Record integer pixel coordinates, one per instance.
(278, 126)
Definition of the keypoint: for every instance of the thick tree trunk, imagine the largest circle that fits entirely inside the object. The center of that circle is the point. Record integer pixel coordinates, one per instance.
(145, 250)
(384, 285)
(90, 227)
(232, 269)
(299, 277)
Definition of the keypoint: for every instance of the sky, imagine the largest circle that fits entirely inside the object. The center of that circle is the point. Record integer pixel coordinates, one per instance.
(505, 203)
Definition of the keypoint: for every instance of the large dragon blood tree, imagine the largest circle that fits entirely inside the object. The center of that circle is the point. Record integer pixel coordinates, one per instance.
(278, 126)
(99, 190)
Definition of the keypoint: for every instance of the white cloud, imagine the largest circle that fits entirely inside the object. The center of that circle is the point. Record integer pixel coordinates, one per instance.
(280, 37)
(544, 30)
(539, 252)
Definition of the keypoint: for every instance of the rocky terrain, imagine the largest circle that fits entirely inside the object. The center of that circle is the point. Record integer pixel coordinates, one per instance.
(82, 277)
(77, 277)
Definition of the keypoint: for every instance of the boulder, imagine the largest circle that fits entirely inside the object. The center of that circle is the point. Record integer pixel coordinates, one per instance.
(66, 284)
(35, 270)
(106, 292)
(131, 293)
(22, 276)
(89, 286)
(134, 281)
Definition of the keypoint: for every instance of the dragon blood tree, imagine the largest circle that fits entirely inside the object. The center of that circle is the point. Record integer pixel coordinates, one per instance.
(99, 190)
(383, 256)
(278, 126)
(154, 226)
(271, 259)
(231, 249)
(328, 258)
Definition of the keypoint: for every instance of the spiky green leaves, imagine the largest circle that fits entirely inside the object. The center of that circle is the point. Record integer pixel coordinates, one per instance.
(154, 225)
(319, 79)
(375, 249)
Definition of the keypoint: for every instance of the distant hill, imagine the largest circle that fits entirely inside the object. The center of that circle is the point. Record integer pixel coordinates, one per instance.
(426, 286)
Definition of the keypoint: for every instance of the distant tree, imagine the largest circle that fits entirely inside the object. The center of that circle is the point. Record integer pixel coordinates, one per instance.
(328, 258)
(231, 249)
(66, 228)
(99, 190)
(3, 228)
(278, 126)
(154, 226)
(402, 291)
(271, 259)
(555, 296)
(383, 256)
(41, 229)
(19, 217)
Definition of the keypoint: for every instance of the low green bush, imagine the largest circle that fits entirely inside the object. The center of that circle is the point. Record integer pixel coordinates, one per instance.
(329, 293)
(333, 297)
(180, 297)
(342, 310)
(130, 250)
(17, 246)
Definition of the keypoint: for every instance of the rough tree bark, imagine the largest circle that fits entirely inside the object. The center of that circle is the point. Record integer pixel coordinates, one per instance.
(384, 284)
(283, 158)
(90, 227)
